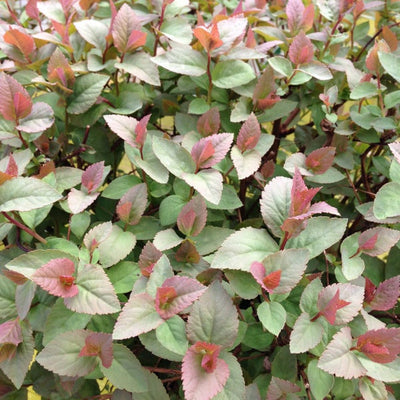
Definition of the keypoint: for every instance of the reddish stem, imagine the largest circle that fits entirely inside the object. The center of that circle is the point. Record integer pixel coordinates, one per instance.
(24, 228)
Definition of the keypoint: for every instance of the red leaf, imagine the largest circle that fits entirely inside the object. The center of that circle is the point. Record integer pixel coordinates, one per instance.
(22, 105)
(320, 160)
(386, 294)
(335, 304)
(211, 150)
(368, 244)
(9, 87)
(12, 167)
(23, 42)
(372, 60)
(56, 277)
(148, 258)
(141, 130)
(381, 345)
(92, 178)
(264, 95)
(390, 38)
(185, 292)
(10, 332)
(300, 196)
(379, 240)
(132, 204)
(203, 373)
(135, 40)
(272, 280)
(193, 216)
(60, 71)
(209, 123)
(249, 134)
(301, 51)
(98, 344)
(369, 291)
(209, 40)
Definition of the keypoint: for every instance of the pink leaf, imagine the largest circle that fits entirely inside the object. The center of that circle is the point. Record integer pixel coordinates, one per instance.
(141, 130)
(377, 241)
(385, 296)
(268, 282)
(59, 70)
(124, 23)
(294, 10)
(308, 18)
(125, 128)
(338, 359)
(209, 123)
(278, 389)
(148, 258)
(32, 10)
(98, 344)
(249, 134)
(300, 196)
(203, 373)
(176, 294)
(92, 178)
(381, 345)
(339, 303)
(193, 216)
(301, 50)
(12, 167)
(132, 204)
(11, 94)
(136, 39)
(78, 201)
(10, 332)
(56, 277)
(320, 160)
(211, 150)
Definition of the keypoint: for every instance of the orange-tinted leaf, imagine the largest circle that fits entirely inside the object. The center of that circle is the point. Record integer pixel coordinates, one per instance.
(209, 40)
(372, 60)
(301, 50)
(148, 258)
(264, 92)
(46, 169)
(390, 38)
(86, 4)
(15, 277)
(22, 105)
(12, 167)
(308, 18)
(249, 134)
(98, 344)
(135, 40)
(193, 216)
(59, 70)
(23, 42)
(272, 280)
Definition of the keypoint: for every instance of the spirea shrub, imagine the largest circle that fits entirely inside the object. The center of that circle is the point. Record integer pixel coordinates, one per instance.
(200, 200)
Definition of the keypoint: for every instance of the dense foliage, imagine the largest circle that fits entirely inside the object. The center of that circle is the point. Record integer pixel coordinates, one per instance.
(200, 200)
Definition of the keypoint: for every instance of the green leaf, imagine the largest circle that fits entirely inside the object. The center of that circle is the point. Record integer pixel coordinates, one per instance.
(213, 318)
(96, 294)
(40, 118)
(7, 298)
(67, 178)
(281, 65)
(305, 335)
(242, 248)
(170, 208)
(152, 344)
(162, 270)
(87, 89)
(138, 316)
(123, 275)
(146, 229)
(272, 315)
(61, 355)
(352, 267)
(167, 239)
(198, 106)
(392, 99)
(116, 247)
(119, 186)
(279, 110)
(234, 388)
(17, 367)
(387, 201)
(364, 89)
(391, 63)
(309, 297)
(172, 334)
(177, 29)
(26, 264)
(34, 217)
(25, 194)
(210, 239)
(320, 233)
(182, 59)
(93, 31)
(174, 157)
(232, 73)
(208, 182)
(156, 389)
(317, 70)
(375, 390)
(320, 381)
(61, 320)
(382, 372)
(125, 372)
(139, 64)
(243, 284)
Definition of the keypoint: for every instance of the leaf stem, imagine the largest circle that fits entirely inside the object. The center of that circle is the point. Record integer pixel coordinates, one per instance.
(24, 228)
(210, 85)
